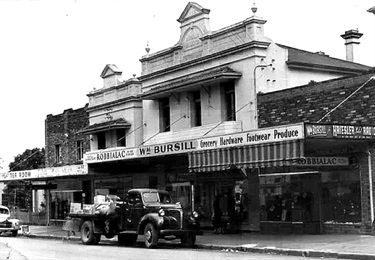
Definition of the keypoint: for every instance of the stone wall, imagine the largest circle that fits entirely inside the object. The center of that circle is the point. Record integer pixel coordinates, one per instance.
(63, 130)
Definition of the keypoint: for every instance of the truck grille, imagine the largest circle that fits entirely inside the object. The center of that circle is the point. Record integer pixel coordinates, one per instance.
(174, 214)
(5, 224)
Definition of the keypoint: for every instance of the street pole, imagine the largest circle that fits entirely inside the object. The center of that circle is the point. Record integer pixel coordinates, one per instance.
(255, 89)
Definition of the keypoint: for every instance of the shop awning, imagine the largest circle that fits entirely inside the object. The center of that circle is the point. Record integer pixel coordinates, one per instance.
(210, 160)
(268, 155)
(105, 126)
(186, 82)
(250, 156)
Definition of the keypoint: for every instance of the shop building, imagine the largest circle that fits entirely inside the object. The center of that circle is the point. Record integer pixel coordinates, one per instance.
(206, 86)
(64, 148)
(337, 171)
(115, 115)
(64, 180)
(189, 124)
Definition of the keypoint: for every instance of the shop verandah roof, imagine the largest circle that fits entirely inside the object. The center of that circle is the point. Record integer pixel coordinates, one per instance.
(182, 83)
(105, 126)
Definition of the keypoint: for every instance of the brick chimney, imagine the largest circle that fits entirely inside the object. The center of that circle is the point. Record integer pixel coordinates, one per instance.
(351, 38)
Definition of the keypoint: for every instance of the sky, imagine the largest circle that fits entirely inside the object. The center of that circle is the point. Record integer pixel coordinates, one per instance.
(52, 52)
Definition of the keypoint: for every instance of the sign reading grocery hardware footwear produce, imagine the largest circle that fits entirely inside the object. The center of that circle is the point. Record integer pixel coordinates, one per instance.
(339, 131)
(264, 135)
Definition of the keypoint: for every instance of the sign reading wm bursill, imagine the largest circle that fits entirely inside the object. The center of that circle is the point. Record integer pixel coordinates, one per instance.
(265, 135)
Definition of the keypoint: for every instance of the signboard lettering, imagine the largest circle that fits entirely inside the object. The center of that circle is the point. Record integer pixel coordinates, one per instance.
(275, 134)
(324, 161)
(339, 131)
(45, 172)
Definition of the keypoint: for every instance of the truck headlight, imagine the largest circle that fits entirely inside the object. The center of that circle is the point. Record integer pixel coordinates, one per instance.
(161, 212)
(195, 214)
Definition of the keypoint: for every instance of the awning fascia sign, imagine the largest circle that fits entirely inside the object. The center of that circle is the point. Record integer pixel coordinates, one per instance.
(68, 170)
(259, 136)
(339, 131)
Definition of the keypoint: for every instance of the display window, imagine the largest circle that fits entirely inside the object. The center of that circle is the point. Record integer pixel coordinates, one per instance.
(61, 201)
(341, 196)
(330, 196)
(289, 197)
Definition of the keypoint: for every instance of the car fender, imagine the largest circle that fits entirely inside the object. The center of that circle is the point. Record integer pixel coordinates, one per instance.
(15, 223)
(153, 218)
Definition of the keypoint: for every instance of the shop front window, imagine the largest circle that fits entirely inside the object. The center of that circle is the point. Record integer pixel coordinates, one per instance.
(61, 201)
(289, 198)
(341, 198)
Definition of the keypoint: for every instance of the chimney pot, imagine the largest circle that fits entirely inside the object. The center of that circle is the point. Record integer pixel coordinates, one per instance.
(351, 38)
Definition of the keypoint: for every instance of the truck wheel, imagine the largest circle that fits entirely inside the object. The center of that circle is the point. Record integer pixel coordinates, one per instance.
(87, 234)
(127, 239)
(188, 239)
(96, 239)
(14, 233)
(151, 236)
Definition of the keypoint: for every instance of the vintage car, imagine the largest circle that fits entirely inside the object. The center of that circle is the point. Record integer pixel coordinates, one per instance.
(6, 223)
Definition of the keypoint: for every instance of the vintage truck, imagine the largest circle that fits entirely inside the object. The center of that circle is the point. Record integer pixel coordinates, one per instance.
(148, 212)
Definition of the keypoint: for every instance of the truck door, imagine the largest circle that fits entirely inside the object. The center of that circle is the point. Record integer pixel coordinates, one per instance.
(133, 211)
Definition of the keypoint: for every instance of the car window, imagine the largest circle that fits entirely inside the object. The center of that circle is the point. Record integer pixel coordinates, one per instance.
(164, 197)
(150, 197)
(4, 211)
(133, 199)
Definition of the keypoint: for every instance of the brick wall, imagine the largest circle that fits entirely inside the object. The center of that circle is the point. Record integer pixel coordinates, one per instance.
(309, 103)
(62, 130)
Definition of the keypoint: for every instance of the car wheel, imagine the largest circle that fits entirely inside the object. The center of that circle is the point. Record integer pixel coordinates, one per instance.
(127, 239)
(151, 236)
(14, 233)
(188, 239)
(87, 234)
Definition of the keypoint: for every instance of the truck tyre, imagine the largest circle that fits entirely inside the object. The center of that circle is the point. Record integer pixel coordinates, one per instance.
(96, 239)
(151, 236)
(188, 240)
(14, 233)
(127, 239)
(87, 234)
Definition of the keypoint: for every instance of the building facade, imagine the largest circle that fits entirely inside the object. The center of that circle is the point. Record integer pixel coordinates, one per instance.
(206, 121)
(199, 100)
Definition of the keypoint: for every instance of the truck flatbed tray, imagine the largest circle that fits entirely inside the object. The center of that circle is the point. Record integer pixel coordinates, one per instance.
(85, 215)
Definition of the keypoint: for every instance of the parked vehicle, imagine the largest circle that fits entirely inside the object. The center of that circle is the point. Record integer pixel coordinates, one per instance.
(6, 223)
(147, 212)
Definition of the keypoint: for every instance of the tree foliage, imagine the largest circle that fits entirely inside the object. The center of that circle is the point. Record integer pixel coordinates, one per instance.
(28, 160)
(19, 192)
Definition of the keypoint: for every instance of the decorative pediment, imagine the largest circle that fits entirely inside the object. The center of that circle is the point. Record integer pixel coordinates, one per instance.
(110, 70)
(192, 10)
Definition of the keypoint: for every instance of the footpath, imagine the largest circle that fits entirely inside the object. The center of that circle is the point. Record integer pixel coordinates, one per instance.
(341, 246)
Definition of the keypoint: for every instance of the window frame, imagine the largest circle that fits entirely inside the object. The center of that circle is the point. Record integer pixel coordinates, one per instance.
(165, 115)
(58, 153)
(196, 108)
